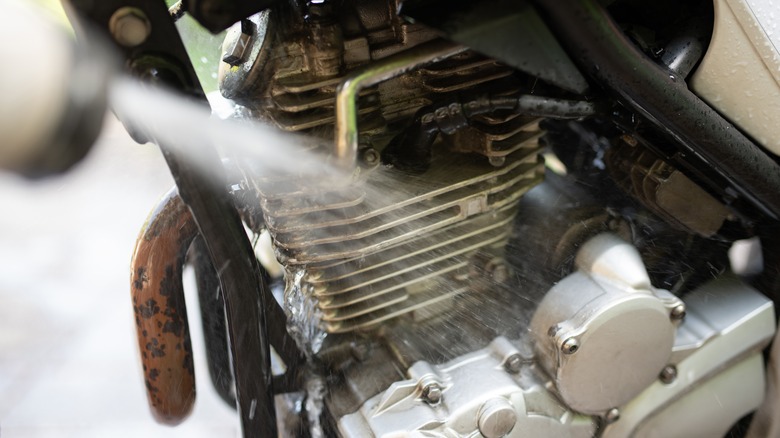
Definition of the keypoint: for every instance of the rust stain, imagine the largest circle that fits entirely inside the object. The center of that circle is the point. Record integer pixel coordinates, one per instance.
(160, 312)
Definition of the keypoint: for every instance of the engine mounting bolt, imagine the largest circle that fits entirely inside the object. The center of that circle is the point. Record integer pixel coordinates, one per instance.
(570, 346)
(612, 415)
(678, 312)
(129, 26)
(513, 363)
(668, 374)
(432, 393)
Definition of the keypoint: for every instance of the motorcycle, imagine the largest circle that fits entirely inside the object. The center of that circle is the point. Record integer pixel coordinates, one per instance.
(495, 218)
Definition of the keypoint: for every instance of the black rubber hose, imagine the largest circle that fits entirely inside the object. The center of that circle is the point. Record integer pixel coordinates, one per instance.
(605, 54)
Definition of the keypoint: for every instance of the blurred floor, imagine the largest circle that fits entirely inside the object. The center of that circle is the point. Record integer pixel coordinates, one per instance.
(68, 360)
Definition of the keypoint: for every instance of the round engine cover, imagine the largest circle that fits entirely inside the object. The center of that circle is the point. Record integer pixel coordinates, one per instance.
(603, 339)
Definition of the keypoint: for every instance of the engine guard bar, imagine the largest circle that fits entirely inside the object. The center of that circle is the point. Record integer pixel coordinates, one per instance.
(161, 315)
(160, 312)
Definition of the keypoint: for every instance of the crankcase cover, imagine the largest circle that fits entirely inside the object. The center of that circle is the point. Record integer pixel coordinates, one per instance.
(603, 333)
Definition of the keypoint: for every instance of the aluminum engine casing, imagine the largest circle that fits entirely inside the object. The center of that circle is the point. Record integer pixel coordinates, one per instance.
(713, 376)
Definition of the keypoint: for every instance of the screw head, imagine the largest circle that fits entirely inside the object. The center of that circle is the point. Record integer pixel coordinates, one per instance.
(570, 346)
(678, 312)
(129, 26)
(668, 374)
(432, 393)
(612, 415)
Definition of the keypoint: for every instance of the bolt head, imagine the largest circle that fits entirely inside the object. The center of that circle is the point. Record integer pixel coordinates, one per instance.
(236, 52)
(668, 374)
(370, 156)
(129, 26)
(432, 393)
(513, 363)
(612, 415)
(678, 312)
(570, 346)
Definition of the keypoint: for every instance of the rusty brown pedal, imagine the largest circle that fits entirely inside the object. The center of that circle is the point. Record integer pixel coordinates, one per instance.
(160, 312)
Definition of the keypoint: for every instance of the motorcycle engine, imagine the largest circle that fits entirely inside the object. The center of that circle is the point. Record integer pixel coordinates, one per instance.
(392, 240)
(452, 284)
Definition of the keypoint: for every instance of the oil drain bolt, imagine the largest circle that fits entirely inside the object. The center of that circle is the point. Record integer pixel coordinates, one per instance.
(497, 418)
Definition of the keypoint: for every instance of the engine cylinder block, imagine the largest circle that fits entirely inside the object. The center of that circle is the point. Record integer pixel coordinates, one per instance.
(397, 243)
(385, 243)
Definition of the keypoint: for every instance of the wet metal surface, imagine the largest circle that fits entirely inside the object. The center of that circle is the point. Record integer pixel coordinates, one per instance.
(606, 55)
(160, 312)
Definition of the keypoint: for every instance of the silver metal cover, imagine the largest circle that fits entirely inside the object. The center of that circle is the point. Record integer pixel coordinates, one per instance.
(603, 333)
